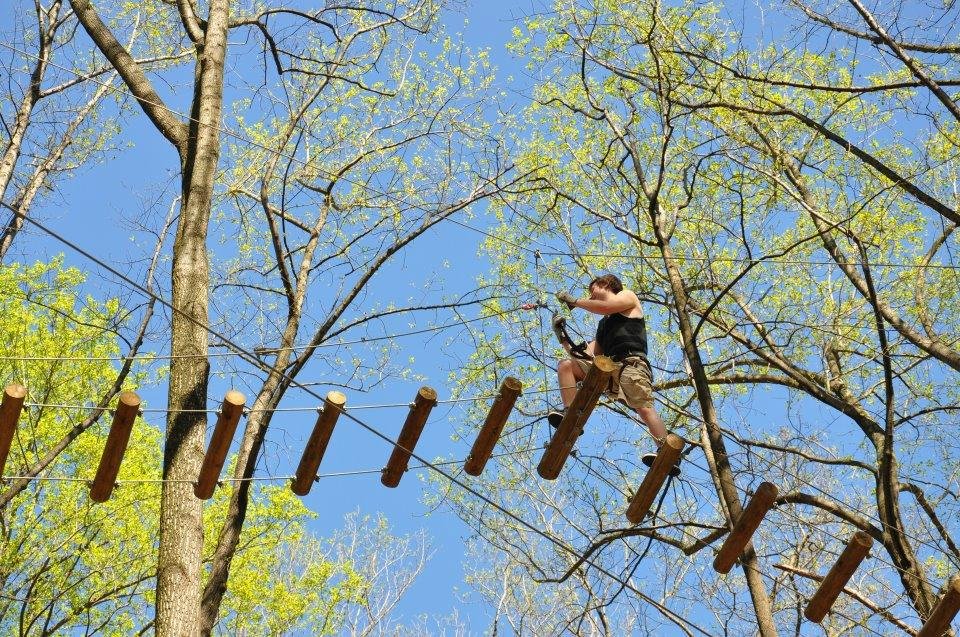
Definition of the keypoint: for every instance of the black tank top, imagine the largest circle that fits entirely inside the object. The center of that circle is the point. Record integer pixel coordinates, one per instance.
(620, 337)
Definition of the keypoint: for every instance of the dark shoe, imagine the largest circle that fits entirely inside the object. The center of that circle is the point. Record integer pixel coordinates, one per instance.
(648, 459)
(555, 417)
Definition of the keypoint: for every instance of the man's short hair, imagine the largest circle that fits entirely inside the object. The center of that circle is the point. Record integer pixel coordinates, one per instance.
(607, 282)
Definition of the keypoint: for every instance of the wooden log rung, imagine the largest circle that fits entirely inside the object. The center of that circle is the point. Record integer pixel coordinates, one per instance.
(745, 527)
(10, 408)
(576, 415)
(493, 426)
(216, 454)
(317, 444)
(943, 613)
(647, 492)
(128, 407)
(409, 435)
(837, 577)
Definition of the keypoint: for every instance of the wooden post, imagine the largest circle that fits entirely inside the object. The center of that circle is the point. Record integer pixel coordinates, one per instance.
(419, 411)
(216, 454)
(652, 482)
(837, 577)
(10, 408)
(939, 621)
(574, 418)
(317, 445)
(744, 528)
(493, 426)
(128, 406)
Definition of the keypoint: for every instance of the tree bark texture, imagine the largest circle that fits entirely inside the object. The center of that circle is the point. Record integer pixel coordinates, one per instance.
(713, 439)
(181, 528)
(198, 146)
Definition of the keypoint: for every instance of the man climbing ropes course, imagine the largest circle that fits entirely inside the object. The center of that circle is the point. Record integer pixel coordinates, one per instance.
(622, 336)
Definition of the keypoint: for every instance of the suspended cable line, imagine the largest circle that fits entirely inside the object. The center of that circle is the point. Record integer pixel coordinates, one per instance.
(277, 410)
(268, 478)
(269, 350)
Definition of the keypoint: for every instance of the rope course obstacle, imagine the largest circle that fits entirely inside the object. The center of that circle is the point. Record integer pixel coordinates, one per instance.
(10, 408)
(939, 621)
(857, 549)
(493, 426)
(562, 442)
(317, 445)
(667, 457)
(420, 409)
(745, 527)
(216, 454)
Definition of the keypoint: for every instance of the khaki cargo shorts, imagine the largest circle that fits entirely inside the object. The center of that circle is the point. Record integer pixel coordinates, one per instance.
(631, 382)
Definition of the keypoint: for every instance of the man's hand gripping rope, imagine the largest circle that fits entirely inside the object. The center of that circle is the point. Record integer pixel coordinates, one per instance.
(559, 325)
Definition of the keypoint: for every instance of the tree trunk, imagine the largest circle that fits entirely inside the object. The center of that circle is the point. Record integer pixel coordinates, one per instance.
(22, 121)
(894, 538)
(181, 529)
(713, 440)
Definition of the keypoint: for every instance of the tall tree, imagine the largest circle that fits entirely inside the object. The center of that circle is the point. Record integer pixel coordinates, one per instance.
(196, 140)
(354, 162)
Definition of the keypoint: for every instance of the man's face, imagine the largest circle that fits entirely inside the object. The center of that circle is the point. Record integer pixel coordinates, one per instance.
(598, 293)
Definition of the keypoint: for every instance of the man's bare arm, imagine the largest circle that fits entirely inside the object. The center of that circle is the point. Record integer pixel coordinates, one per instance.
(621, 302)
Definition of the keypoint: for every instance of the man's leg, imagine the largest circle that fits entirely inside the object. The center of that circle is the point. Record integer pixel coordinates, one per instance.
(654, 423)
(569, 372)
(637, 386)
(657, 429)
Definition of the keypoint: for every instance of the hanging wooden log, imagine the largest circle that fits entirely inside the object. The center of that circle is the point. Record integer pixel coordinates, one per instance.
(574, 418)
(412, 428)
(317, 445)
(128, 406)
(666, 458)
(744, 528)
(943, 613)
(837, 577)
(493, 426)
(10, 408)
(216, 454)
